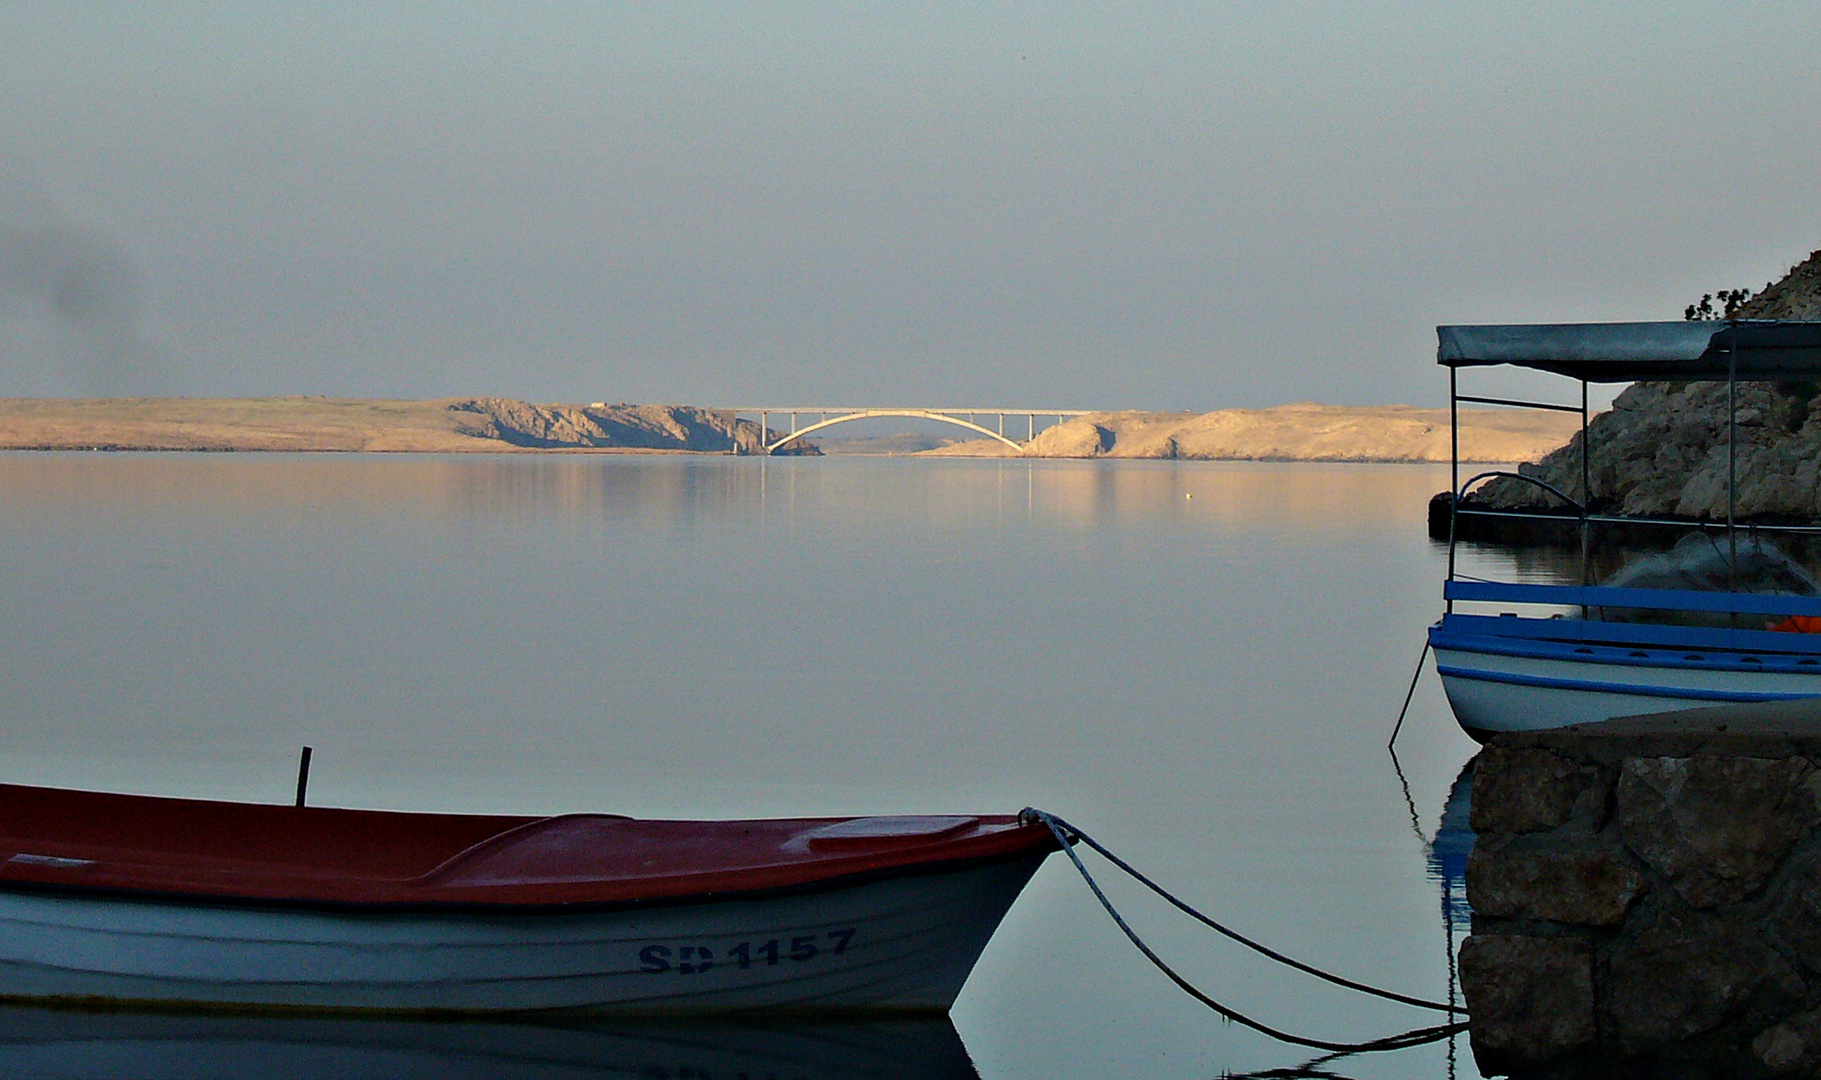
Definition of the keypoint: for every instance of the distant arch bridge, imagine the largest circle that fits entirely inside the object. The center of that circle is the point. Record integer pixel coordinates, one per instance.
(828, 416)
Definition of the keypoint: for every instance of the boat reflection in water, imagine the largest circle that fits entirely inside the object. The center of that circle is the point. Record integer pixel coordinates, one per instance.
(1447, 854)
(38, 1043)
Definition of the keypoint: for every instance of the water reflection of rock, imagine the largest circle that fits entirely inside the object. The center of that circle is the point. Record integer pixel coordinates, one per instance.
(96, 1046)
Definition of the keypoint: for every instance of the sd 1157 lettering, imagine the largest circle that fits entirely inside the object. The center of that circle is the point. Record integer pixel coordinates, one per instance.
(696, 959)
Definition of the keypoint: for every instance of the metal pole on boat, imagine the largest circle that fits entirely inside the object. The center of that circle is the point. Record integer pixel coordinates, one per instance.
(1732, 456)
(303, 775)
(1454, 434)
(1586, 498)
(1586, 470)
(1454, 471)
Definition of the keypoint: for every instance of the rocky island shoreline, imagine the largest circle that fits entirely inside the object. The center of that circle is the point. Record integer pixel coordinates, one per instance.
(323, 424)
(1304, 432)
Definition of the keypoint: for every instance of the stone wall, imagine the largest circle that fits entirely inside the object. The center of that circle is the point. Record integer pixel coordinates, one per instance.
(1647, 901)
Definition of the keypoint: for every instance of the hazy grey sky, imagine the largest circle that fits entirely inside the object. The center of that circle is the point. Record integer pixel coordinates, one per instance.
(1160, 206)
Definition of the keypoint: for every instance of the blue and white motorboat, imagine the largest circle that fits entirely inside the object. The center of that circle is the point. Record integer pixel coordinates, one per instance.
(1507, 672)
(1587, 652)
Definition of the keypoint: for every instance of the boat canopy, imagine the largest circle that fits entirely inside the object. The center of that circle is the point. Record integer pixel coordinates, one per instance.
(1682, 351)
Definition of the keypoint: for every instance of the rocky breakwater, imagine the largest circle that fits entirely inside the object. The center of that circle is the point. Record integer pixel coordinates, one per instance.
(1662, 449)
(1647, 898)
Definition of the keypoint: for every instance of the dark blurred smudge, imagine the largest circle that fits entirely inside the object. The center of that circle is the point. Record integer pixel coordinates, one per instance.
(70, 294)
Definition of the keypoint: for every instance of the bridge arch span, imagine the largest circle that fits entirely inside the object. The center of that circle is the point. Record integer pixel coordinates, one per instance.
(915, 414)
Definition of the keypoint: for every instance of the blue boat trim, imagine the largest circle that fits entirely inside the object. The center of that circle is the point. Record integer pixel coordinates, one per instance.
(1684, 693)
(1644, 635)
(1606, 596)
(1706, 659)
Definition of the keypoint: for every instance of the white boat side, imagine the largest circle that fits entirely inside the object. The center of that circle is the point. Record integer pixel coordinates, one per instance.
(904, 942)
(1494, 691)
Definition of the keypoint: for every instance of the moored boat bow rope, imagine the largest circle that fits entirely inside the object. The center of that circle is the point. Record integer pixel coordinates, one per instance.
(1066, 837)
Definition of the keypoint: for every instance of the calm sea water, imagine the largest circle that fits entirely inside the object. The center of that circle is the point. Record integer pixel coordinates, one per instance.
(1199, 663)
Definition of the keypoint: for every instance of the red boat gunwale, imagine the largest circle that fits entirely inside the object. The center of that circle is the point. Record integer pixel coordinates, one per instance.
(250, 854)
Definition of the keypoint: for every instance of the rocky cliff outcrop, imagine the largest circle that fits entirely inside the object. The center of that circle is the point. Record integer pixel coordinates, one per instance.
(1662, 450)
(642, 427)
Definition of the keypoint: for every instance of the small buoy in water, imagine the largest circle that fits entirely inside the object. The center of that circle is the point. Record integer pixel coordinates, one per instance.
(1188, 495)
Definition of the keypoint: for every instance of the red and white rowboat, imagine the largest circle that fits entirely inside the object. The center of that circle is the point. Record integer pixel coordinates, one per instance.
(135, 899)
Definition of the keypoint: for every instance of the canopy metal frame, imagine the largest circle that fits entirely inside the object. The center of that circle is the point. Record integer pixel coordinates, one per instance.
(1689, 351)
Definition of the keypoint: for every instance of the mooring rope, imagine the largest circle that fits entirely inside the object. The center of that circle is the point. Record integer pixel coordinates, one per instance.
(1261, 949)
(1062, 831)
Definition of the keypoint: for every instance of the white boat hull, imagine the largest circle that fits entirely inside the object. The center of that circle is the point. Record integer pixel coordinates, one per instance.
(1491, 693)
(905, 942)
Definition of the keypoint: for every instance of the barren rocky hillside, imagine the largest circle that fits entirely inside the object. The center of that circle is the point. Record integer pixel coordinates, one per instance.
(1303, 432)
(1287, 433)
(350, 424)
